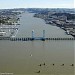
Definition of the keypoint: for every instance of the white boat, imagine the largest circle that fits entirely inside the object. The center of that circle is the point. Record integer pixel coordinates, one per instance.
(68, 32)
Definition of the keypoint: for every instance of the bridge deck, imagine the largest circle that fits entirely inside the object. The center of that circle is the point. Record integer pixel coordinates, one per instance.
(31, 39)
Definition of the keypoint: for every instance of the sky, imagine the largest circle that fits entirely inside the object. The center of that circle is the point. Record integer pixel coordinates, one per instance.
(8, 4)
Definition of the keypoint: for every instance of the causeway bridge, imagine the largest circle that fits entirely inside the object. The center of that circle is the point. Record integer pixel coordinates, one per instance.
(39, 38)
(43, 38)
(32, 39)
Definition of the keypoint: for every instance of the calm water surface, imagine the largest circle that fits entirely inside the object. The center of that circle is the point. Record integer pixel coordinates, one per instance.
(24, 57)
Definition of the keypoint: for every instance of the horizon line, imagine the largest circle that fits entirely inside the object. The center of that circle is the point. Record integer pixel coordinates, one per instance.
(36, 8)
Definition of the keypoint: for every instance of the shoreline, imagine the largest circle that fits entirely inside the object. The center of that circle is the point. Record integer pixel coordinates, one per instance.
(68, 30)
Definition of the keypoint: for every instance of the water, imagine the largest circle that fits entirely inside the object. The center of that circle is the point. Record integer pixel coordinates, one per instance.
(29, 23)
(24, 57)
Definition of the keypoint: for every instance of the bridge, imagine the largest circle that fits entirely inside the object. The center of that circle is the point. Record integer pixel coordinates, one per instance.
(33, 38)
(42, 39)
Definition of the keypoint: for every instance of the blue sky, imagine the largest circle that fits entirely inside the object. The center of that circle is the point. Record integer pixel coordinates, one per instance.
(4, 4)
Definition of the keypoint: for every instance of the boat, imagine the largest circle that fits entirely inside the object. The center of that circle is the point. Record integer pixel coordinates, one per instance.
(67, 32)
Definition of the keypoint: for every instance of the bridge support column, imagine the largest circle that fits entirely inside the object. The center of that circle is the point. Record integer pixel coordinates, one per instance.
(43, 33)
(43, 39)
(32, 33)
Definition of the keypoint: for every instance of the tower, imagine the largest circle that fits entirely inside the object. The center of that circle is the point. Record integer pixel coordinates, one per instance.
(43, 33)
(32, 33)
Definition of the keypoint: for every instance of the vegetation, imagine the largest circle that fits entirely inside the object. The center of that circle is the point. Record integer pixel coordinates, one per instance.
(68, 15)
(2, 21)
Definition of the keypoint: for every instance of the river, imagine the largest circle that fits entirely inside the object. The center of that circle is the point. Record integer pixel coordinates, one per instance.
(25, 57)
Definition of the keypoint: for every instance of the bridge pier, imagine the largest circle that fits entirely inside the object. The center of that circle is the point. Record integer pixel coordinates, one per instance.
(32, 33)
(43, 33)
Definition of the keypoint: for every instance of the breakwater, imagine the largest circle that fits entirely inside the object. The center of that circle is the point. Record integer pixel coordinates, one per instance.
(32, 39)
